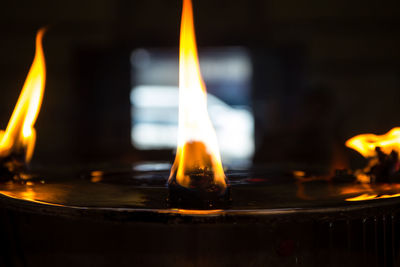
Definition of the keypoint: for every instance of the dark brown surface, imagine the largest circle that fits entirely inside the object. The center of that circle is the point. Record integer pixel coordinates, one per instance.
(134, 191)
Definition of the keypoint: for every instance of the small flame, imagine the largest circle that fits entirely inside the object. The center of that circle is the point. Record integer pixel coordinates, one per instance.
(197, 141)
(20, 136)
(381, 151)
(366, 144)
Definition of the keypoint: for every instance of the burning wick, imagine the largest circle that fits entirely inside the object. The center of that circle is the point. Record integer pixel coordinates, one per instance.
(17, 142)
(197, 178)
(382, 154)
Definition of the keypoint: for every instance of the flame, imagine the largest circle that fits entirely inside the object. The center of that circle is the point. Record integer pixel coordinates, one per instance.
(20, 135)
(371, 197)
(197, 141)
(365, 144)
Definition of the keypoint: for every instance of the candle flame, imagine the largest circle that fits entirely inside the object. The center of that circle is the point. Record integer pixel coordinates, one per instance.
(20, 135)
(197, 142)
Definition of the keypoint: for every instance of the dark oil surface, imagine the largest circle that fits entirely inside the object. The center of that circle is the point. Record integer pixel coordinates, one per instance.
(144, 188)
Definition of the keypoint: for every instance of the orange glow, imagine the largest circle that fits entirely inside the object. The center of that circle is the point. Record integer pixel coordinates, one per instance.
(357, 188)
(20, 136)
(31, 195)
(362, 177)
(299, 174)
(371, 197)
(195, 212)
(97, 176)
(197, 142)
(365, 144)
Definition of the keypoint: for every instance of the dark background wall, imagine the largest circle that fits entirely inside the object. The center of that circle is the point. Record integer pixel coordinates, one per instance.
(323, 70)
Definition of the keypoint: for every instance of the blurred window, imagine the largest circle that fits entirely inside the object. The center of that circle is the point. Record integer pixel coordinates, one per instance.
(227, 73)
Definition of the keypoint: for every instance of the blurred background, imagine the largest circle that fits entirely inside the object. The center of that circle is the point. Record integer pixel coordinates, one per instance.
(288, 81)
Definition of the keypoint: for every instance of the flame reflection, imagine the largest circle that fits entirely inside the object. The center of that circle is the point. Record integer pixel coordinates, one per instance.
(368, 191)
(367, 196)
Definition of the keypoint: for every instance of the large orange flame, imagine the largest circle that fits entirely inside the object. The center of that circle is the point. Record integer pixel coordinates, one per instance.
(197, 141)
(20, 136)
(365, 144)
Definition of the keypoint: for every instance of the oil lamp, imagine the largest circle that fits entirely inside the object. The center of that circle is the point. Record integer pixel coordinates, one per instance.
(190, 215)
